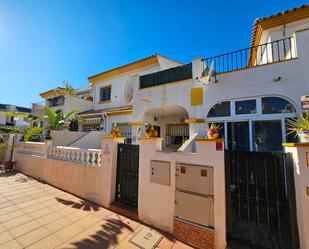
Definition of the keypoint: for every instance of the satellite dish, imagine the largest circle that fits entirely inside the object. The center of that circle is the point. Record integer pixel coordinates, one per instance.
(209, 73)
(129, 89)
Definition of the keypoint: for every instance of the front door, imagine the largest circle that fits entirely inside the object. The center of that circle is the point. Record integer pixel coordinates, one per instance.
(127, 174)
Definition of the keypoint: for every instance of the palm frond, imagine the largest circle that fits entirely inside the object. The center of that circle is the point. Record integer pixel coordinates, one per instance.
(50, 117)
(69, 114)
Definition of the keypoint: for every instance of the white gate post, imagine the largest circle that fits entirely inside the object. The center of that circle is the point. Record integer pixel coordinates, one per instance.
(109, 147)
(300, 154)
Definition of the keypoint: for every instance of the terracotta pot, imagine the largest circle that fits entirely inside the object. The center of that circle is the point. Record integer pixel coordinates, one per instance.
(303, 136)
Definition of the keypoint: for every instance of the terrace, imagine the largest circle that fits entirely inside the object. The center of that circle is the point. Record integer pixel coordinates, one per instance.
(268, 53)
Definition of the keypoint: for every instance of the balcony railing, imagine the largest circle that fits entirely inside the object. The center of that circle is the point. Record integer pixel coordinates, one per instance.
(271, 52)
(174, 74)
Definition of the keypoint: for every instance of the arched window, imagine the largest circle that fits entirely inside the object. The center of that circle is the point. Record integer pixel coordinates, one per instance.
(222, 109)
(271, 105)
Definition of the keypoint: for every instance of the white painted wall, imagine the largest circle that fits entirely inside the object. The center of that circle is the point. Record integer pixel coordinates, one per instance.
(119, 81)
(156, 202)
(64, 138)
(2, 118)
(301, 176)
(73, 102)
(91, 140)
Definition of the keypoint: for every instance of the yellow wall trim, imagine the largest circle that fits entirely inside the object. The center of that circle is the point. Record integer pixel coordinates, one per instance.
(53, 92)
(112, 114)
(123, 69)
(196, 96)
(194, 120)
(90, 116)
(151, 138)
(136, 123)
(276, 20)
(208, 140)
(295, 144)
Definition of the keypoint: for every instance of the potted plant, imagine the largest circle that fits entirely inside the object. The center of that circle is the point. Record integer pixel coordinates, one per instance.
(150, 131)
(213, 131)
(115, 131)
(4, 146)
(300, 126)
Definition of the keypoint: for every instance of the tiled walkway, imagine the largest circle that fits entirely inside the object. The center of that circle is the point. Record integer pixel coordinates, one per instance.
(37, 215)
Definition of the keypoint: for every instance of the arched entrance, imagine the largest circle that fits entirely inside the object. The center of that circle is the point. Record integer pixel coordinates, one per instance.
(169, 121)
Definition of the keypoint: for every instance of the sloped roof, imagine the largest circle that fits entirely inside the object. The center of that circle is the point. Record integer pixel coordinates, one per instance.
(153, 59)
(23, 109)
(47, 94)
(277, 19)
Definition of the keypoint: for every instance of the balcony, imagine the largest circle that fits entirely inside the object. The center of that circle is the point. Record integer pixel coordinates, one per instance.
(55, 101)
(268, 53)
(170, 75)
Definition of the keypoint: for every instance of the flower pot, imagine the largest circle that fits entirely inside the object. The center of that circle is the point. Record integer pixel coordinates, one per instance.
(212, 134)
(303, 136)
(147, 133)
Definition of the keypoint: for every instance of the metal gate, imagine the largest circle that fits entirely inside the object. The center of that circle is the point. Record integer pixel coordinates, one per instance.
(261, 209)
(127, 174)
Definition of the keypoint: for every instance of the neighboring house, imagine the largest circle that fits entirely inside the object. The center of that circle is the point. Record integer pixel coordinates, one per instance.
(13, 121)
(250, 93)
(58, 99)
(114, 91)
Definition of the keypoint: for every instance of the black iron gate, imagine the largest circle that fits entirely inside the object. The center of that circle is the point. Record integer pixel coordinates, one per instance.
(127, 174)
(260, 198)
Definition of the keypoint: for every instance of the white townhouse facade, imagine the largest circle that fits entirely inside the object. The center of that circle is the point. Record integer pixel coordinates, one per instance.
(13, 121)
(58, 99)
(250, 92)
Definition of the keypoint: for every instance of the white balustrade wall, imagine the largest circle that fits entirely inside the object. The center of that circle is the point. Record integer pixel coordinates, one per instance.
(76, 155)
(32, 148)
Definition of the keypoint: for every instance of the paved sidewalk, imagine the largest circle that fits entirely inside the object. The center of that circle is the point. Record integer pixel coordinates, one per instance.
(37, 215)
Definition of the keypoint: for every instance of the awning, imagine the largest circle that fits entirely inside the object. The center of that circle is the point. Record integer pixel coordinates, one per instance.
(92, 121)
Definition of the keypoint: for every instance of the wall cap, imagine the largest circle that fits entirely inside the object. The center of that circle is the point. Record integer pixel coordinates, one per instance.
(113, 138)
(295, 144)
(136, 124)
(194, 120)
(151, 138)
(208, 140)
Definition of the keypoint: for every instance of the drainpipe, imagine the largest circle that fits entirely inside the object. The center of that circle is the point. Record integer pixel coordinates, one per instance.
(105, 119)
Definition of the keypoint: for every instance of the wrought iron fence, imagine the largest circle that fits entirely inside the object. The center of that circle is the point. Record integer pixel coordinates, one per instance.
(271, 52)
(174, 74)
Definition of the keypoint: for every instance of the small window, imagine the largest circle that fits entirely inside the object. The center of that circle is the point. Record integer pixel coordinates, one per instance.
(105, 93)
(221, 109)
(245, 107)
(272, 105)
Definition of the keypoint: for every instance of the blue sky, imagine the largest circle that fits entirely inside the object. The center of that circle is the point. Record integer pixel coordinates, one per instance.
(44, 42)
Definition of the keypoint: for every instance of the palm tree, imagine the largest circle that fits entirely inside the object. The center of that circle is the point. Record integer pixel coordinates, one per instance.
(55, 119)
(68, 88)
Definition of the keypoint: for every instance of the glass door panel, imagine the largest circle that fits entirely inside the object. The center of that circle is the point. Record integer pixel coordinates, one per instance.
(267, 135)
(238, 136)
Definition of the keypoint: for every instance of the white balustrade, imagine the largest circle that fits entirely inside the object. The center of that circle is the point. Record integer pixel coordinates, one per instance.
(32, 148)
(84, 156)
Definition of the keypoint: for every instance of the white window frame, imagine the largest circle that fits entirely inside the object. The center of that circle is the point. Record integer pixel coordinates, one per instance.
(258, 116)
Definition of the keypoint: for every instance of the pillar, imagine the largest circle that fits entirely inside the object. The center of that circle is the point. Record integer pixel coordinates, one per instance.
(109, 147)
(300, 154)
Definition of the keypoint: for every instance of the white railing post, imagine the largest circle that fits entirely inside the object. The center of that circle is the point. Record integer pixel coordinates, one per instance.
(76, 155)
